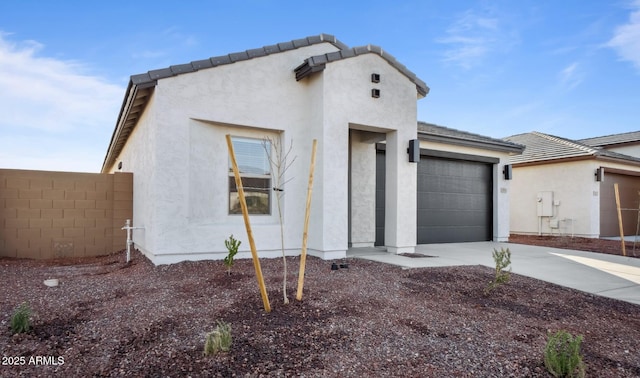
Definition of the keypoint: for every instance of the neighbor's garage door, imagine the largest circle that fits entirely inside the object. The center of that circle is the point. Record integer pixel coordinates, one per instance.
(455, 198)
(629, 190)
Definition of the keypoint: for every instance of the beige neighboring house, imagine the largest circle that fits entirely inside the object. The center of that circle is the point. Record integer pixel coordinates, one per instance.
(563, 186)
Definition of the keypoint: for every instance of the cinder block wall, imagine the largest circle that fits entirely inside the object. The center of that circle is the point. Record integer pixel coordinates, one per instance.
(47, 215)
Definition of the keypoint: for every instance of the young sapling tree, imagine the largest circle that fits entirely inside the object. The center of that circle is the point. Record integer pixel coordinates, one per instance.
(279, 162)
(502, 259)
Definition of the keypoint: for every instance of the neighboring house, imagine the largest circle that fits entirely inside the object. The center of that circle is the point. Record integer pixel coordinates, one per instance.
(625, 143)
(561, 186)
(355, 101)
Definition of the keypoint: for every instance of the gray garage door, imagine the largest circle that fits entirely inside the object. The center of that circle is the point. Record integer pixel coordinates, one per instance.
(455, 200)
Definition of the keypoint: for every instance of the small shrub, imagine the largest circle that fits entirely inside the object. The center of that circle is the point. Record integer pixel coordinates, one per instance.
(562, 356)
(502, 258)
(219, 340)
(232, 246)
(20, 321)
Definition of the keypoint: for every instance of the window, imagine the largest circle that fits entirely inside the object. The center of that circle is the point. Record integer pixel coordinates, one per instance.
(253, 165)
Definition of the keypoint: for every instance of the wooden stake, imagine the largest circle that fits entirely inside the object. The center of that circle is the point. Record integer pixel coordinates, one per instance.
(305, 232)
(624, 251)
(245, 215)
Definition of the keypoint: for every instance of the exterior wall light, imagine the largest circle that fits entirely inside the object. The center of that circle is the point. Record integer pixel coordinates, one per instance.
(414, 151)
(508, 172)
(599, 174)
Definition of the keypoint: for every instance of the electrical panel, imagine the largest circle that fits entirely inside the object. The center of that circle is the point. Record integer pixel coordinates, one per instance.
(545, 204)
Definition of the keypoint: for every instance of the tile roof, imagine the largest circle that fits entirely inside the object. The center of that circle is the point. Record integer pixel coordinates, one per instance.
(318, 63)
(140, 86)
(436, 133)
(610, 140)
(542, 147)
(152, 76)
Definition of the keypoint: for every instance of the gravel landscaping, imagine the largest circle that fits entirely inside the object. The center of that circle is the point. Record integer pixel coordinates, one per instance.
(110, 318)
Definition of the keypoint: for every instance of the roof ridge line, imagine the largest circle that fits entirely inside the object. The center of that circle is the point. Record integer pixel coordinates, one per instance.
(317, 63)
(151, 76)
(568, 142)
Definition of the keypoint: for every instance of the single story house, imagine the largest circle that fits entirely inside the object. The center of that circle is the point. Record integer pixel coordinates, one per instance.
(624, 143)
(360, 104)
(563, 186)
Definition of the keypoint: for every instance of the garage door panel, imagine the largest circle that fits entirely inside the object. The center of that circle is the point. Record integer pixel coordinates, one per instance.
(451, 218)
(454, 200)
(452, 185)
(446, 234)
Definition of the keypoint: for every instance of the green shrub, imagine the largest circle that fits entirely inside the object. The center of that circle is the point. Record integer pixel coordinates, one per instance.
(232, 246)
(219, 340)
(562, 356)
(502, 259)
(20, 321)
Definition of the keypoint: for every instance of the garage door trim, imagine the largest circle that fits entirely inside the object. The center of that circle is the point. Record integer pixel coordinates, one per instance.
(449, 155)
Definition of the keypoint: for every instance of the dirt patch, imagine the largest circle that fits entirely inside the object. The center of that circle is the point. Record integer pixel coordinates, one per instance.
(109, 318)
(611, 247)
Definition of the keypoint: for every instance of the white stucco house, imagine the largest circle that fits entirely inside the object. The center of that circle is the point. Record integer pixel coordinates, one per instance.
(566, 187)
(361, 106)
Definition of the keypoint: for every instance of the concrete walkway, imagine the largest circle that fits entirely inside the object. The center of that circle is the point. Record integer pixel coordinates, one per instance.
(606, 275)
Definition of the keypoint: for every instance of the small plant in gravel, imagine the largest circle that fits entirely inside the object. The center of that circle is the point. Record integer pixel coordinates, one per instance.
(562, 356)
(219, 340)
(21, 319)
(232, 246)
(502, 258)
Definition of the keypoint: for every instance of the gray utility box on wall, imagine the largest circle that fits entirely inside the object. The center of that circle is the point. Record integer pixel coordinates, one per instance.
(545, 204)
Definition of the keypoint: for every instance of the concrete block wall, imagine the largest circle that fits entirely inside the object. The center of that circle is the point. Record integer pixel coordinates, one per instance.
(46, 215)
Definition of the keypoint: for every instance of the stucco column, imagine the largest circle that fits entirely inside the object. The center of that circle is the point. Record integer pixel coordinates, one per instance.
(400, 194)
(363, 191)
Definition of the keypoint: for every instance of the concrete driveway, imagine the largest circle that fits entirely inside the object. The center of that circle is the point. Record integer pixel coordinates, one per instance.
(606, 275)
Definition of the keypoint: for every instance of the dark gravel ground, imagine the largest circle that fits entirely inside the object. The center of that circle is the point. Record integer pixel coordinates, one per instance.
(109, 318)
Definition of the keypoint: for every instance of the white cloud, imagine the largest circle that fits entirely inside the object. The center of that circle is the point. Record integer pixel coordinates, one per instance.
(48, 94)
(571, 76)
(470, 38)
(46, 98)
(626, 38)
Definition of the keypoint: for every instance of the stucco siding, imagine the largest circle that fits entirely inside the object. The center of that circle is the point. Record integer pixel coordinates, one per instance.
(179, 156)
(139, 156)
(363, 190)
(632, 150)
(179, 153)
(576, 199)
(348, 100)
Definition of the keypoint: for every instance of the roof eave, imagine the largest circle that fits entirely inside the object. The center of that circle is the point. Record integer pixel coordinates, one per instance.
(485, 145)
(594, 157)
(552, 161)
(134, 103)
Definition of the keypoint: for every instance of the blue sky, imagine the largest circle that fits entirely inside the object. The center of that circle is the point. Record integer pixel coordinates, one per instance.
(570, 68)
